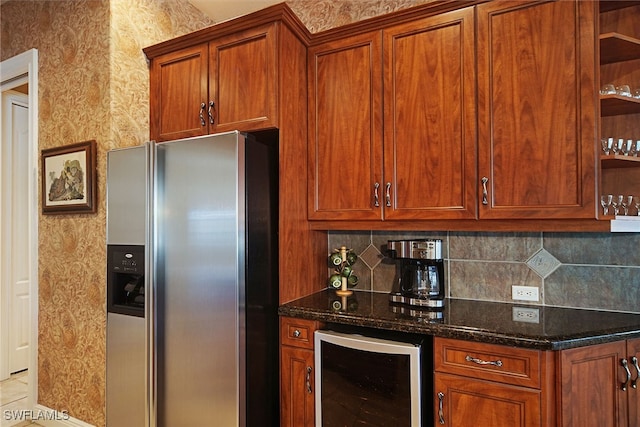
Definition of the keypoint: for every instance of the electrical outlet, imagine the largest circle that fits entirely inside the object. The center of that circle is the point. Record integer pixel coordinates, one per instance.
(525, 293)
(526, 314)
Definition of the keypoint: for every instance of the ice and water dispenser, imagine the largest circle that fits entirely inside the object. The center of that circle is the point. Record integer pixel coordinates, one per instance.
(125, 279)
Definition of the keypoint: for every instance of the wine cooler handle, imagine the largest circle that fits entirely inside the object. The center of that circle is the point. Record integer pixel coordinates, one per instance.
(625, 365)
(376, 198)
(202, 107)
(485, 195)
(440, 409)
(308, 380)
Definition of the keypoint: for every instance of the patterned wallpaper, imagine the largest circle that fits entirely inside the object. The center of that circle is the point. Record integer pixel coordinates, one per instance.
(93, 84)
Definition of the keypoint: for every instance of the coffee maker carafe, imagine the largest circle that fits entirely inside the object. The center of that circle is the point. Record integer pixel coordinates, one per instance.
(420, 272)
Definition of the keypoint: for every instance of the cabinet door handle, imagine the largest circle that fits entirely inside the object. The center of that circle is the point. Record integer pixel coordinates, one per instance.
(634, 360)
(440, 409)
(211, 105)
(483, 362)
(625, 365)
(202, 107)
(388, 194)
(485, 195)
(376, 199)
(308, 380)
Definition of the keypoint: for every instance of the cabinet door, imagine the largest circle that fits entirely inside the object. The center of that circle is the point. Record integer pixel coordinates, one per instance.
(633, 350)
(430, 118)
(591, 386)
(243, 80)
(465, 402)
(296, 387)
(345, 129)
(178, 88)
(537, 109)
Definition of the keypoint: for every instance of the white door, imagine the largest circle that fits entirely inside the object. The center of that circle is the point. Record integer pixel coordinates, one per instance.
(15, 232)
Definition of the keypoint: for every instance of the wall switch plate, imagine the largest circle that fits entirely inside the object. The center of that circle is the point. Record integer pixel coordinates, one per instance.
(525, 293)
(526, 314)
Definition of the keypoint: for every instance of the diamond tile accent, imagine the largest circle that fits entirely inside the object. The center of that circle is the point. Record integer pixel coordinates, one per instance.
(371, 256)
(543, 263)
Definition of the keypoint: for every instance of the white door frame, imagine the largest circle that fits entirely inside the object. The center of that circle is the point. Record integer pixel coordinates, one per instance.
(16, 71)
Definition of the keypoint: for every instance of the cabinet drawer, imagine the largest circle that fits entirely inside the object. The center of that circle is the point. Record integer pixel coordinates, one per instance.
(491, 362)
(297, 332)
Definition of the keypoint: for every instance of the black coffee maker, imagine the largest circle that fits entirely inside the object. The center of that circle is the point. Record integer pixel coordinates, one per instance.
(419, 277)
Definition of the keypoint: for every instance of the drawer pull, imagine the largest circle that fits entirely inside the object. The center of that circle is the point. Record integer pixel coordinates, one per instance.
(483, 362)
(376, 197)
(296, 333)
(634, 360)
(440, 403)
(308, 380)
(211, 105)
(625, 365)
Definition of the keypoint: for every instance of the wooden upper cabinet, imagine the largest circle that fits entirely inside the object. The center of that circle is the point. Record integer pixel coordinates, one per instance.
(345, 128)
(430, 118)
(537, 109)
(226, 84)
(243, 80)
(392, 122)
(178, 82)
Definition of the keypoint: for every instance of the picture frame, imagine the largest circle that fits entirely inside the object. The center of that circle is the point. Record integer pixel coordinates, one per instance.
(69, 179)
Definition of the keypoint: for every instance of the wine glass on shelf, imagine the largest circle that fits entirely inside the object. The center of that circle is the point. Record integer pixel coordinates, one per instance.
(626, 203)
(606, 143)
(636, 204)
(605, 202)
(617, 146)
(617, 201)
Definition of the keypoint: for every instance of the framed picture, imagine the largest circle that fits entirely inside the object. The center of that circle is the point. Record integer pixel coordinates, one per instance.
(69, 179)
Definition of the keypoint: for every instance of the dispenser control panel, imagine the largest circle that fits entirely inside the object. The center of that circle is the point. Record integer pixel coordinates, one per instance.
(128, 262)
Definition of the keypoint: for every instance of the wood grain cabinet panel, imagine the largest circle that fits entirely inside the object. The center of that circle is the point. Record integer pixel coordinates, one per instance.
(230, 83)
(345, 125)
(297, 398)
(430, 118)
(536, 109)
(392, 122)
(178, 83)
(596, 390)
(468, 402)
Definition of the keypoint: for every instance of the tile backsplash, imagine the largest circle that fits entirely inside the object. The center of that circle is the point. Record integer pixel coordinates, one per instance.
(584, 270)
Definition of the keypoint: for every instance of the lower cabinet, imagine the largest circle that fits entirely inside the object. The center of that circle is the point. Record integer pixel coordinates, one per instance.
(297, 398)
(480, 384)
(485, 384)
(600, 385)
(468, 402)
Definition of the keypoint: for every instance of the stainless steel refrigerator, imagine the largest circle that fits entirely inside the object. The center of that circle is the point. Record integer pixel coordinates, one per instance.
(211, 282)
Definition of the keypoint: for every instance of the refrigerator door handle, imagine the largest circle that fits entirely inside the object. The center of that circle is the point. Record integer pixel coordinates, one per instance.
(150, 287)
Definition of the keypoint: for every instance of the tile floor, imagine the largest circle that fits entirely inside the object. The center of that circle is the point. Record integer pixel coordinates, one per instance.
(13, 398)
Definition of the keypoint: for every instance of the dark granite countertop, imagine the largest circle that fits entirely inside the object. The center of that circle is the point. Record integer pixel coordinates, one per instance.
(543, 328)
